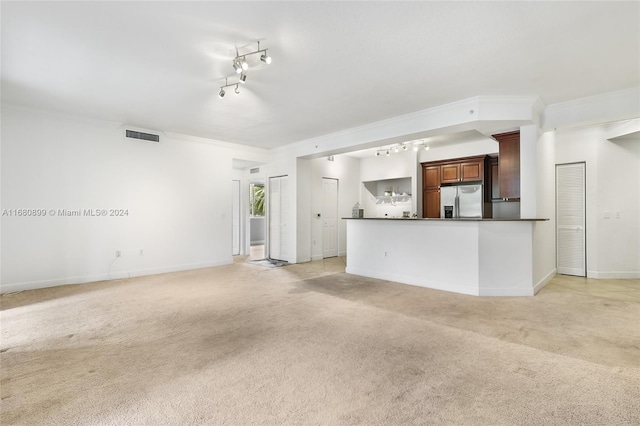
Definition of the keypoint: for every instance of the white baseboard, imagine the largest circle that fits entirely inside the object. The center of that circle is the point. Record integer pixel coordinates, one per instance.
(256, 242)
(406, 279)
(316, 257)
(506, 292)
(33, 285)
(544, 281)
(614, 275)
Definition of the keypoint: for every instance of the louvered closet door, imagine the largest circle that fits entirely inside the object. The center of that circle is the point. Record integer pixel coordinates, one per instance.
(570, 219)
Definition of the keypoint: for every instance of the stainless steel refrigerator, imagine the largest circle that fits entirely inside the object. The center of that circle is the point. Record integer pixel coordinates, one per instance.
(461, 201)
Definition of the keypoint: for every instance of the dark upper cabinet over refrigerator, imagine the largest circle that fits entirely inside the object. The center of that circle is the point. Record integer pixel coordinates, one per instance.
(509, 165)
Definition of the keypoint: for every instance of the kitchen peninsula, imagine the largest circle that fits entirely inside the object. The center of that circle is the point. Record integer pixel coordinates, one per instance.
(482, 257)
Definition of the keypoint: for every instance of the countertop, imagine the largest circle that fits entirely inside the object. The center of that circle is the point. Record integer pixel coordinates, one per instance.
(468, 219)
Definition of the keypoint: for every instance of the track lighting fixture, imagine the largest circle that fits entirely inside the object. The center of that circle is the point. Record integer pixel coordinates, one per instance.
(240, 65)
(226, 84)
(240, 62)
(404, 146)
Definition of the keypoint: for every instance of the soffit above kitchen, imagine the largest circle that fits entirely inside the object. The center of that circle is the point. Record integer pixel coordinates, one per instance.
(336, 65)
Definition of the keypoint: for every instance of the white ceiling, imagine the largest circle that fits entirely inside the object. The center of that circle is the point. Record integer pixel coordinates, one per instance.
(336, 65)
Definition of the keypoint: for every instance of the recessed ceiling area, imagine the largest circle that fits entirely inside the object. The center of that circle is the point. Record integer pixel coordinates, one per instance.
(336, 65)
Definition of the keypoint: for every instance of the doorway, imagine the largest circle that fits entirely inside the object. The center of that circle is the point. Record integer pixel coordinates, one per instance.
(571, 219)
(329, 217)
(256, 220)
(278, 218)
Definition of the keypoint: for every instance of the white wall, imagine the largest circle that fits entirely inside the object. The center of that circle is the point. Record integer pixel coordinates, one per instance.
(177, 193)
(618, 186)
(544, 233)
(347, 170)
(303, 203)
(612, 180)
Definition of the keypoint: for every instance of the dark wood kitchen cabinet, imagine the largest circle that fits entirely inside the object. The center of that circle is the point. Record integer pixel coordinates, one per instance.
(509, 165)
(431, 203)
(465, 171)
(472, 171)
(434, 174)
(450, 173)
(431, 191)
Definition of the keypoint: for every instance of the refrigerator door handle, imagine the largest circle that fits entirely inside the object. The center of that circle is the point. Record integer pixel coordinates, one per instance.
(456, 207)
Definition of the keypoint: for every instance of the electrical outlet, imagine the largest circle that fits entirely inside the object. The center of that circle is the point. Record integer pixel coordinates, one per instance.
(385, 254)
(118, 253)
(141, 252)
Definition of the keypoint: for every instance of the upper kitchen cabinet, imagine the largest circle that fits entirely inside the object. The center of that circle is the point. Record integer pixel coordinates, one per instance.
(464, 171)
(509, 165)
(472, 170)
(431, 177)
(450, 173)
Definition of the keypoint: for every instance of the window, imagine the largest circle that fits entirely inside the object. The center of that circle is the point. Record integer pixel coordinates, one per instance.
(256, 201)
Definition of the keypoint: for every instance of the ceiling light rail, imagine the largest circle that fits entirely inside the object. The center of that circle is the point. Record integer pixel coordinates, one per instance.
(403, 146)
(226, 84)
(240, 63)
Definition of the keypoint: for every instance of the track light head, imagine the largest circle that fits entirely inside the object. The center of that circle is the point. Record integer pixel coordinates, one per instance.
(222, 93)
(244, 64)
(237, 90)
(404, 147)
(387, 152)
(243, 78)
(237, 66)
(396, 149)
(265, 58)
(377, 153)
(415, 148)
(426, 147)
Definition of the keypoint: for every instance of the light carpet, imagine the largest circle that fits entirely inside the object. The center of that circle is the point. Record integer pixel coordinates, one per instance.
(309, 344)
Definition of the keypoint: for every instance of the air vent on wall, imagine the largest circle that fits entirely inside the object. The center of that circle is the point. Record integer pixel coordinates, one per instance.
(254, 170)
(143, 136)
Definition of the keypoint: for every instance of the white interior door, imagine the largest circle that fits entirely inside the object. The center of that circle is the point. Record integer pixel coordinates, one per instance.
(235, 190)
(570, 219)
(278, 217)
(330, 217)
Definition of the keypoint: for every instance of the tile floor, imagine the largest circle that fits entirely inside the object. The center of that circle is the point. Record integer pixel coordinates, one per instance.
(619, 289)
